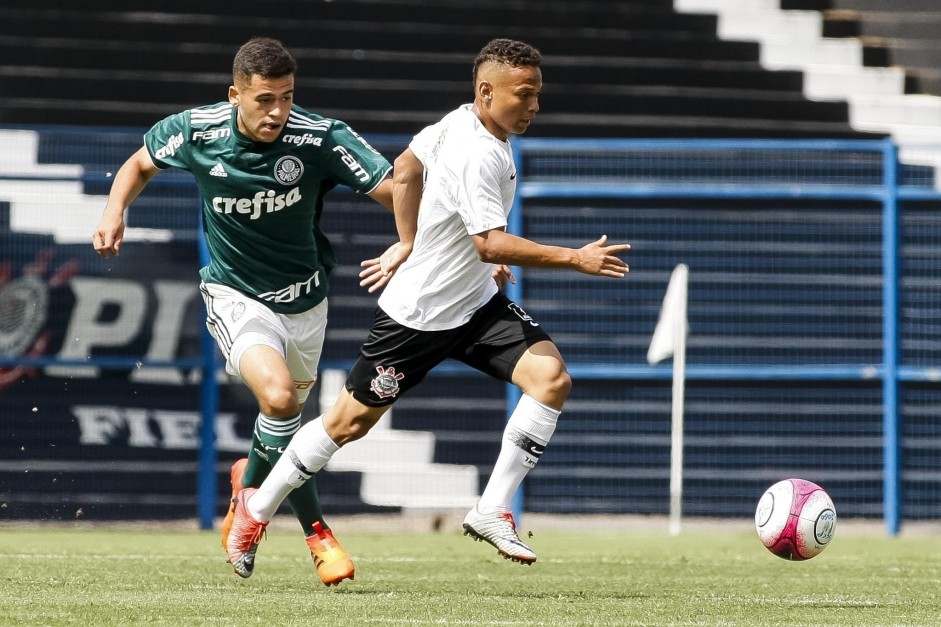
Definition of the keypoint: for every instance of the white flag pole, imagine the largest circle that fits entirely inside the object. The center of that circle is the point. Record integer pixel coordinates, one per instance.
(669, 338)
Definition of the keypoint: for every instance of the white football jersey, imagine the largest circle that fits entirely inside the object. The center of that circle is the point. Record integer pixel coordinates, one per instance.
(470, 180)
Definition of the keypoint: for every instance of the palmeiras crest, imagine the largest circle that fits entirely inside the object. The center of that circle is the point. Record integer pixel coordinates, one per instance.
(288, 169)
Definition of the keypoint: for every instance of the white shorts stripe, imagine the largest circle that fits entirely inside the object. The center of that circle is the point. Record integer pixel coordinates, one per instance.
(239, 322)
(213, 321)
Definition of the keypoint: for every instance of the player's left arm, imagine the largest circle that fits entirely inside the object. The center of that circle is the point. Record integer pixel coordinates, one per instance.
(596, 258)
(485, 219)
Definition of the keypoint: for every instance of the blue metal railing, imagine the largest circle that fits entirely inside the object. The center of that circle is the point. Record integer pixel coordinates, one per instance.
(887, 191)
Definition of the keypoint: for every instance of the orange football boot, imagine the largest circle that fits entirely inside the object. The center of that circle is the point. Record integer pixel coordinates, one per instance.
(238, 469)
(332, 562)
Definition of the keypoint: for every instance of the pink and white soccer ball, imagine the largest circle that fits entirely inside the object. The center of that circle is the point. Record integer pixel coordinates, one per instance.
(795, 519)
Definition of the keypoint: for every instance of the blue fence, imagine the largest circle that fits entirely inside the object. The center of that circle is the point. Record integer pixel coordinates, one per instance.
(858, 328)
(815, 293)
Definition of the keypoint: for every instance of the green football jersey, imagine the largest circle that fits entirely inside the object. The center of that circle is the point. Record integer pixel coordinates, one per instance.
(262, 202)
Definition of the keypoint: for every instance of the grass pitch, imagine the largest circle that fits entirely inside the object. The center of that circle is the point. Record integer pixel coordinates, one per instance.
(68, 576)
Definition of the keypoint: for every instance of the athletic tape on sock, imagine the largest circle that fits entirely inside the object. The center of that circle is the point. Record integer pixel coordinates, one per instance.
(530, 428)
(300, 473)
(313, 445)
(533, 450)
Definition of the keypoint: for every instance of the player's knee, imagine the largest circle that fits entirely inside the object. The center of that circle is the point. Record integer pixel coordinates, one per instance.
(278, 402)
(350, 429)
(349, 419)
(559, 386)
(550, 389)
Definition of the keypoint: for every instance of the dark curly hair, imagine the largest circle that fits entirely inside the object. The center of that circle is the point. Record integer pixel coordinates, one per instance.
(509, 52)
(265, 57)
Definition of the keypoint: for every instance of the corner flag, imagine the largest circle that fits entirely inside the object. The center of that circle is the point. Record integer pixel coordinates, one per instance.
(672, 327)
(669, 340)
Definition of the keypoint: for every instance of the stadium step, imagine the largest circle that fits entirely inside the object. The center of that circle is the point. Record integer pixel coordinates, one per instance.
(420, 486)
(397, 466)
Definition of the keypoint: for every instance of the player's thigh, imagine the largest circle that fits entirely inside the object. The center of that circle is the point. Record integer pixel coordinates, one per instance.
(265, 372)
(275, 355)
(393, 359)
(304, 347)
(541, 365)
(497, 337)
(239, 323)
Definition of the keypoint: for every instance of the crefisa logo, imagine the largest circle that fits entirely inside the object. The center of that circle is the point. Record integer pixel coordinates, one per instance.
(288, 170)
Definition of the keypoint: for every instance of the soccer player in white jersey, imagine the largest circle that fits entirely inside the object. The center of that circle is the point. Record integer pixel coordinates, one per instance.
(444, 301)
(263, 165)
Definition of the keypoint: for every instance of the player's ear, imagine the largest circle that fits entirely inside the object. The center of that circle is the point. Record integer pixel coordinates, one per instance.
(485, 91)
(234, 95)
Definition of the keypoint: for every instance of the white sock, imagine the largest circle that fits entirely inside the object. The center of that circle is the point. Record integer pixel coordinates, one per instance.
(309, 450)
(526, 435)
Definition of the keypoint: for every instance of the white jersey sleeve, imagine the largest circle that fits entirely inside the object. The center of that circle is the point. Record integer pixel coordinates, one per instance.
(483, 207)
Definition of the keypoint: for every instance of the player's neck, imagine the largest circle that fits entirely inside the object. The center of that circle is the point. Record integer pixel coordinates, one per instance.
(488, 122)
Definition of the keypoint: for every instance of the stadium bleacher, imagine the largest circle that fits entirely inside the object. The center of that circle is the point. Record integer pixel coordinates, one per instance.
(625, 69)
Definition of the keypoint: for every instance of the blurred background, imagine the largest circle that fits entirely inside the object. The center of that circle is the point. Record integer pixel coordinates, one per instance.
(785, 150)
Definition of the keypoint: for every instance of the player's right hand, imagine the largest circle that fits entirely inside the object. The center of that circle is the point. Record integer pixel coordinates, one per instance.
(503, 274)
(109, 235)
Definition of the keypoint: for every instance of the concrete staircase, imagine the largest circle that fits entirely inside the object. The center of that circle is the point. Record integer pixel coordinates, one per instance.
(397, 466)
(60, 187)
(851, 69)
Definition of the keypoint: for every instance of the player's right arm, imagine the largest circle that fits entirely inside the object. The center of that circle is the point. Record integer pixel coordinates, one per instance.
(406, 197)
(129, 182)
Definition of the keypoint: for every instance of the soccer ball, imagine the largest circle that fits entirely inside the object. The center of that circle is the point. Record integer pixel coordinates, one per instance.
(795, 519)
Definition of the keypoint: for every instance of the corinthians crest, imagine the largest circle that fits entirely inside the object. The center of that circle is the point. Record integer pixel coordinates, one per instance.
(386, 384)
(24, 303)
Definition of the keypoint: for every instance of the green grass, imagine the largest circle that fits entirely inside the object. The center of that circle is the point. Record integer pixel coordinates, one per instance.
(97, 577)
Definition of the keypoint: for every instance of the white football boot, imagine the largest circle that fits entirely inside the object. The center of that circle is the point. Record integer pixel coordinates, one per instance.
(498, 529)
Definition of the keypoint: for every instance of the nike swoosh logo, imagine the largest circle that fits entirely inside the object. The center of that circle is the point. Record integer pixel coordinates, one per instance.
(513, 176)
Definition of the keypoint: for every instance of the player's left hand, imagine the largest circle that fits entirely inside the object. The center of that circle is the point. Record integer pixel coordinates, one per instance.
(377, 272)
(501, 274)
(598, 258)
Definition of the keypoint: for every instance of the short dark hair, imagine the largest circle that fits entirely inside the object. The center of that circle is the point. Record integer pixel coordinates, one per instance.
(509, 52)
(265, 57)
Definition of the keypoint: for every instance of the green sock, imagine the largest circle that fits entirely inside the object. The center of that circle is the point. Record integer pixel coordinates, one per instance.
(305, 502)
(257, 469)
(272, 436)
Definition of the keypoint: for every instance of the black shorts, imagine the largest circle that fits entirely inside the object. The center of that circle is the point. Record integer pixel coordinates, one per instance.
(395, 358)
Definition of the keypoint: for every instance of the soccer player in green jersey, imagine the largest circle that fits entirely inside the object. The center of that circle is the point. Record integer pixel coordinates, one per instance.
(263, 165)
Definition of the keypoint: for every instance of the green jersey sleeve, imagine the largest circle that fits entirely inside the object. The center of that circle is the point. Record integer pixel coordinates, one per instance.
(166, 142)
(352, 161)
